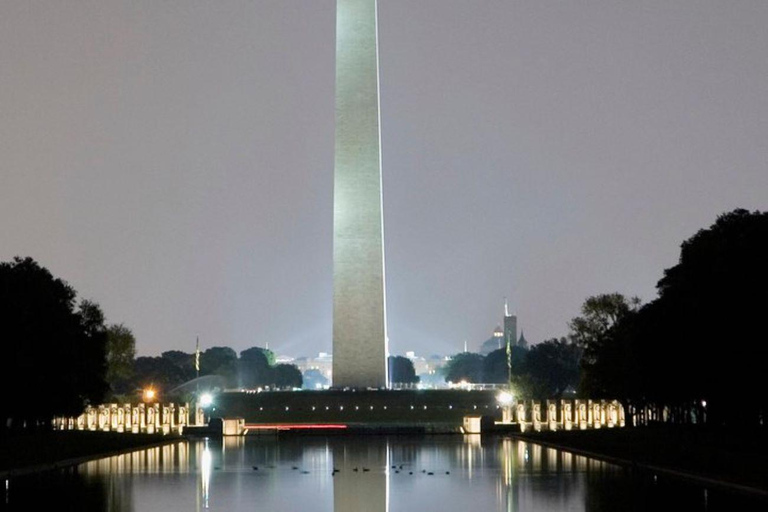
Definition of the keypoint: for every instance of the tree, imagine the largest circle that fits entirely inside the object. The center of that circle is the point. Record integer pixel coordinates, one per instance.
(58, 348)
(401, 370)
(254, 368)
(158, 373)
(599, 314)
(183, 360)
(121, 351)
(465, 366)
(695, 344)
(552, 367)
(595, 333)
(287, 376)
(710, 311)
(219, 361)
(495, 369)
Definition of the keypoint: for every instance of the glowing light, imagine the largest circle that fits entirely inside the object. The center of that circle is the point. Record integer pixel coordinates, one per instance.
(149, 394)
(206, 400)
(505, 398)
(206, 464)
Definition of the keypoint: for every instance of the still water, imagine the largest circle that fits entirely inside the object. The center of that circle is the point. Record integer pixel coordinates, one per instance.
(381, 474)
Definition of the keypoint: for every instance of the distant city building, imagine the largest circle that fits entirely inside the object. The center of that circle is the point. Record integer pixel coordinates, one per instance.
(323, 363)
(503, 336)
(495, 342)
(510, 327)
(522, 342)
(284, 360)
(428, 369)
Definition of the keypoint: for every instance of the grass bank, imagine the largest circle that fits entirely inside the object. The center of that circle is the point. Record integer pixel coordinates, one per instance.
(30, 452)
(736, 459)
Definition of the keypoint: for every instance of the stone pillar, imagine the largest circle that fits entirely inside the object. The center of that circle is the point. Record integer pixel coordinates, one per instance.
(128, 416)
(165, 426)
(566, 406)
(552, 423)
(119, 419)
(536, 408)
(135, 420)
(521, 417)
(112, 417)
(151, 419)
(581, 414)
(103, 418)
(597, 420)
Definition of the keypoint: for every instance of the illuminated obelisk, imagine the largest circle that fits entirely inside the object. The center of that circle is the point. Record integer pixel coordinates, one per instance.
(359, 313)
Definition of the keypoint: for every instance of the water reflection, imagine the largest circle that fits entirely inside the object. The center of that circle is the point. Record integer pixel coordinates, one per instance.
(345, 474)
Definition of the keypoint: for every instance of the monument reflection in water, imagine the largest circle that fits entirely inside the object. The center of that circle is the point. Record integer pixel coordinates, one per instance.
(352, 474)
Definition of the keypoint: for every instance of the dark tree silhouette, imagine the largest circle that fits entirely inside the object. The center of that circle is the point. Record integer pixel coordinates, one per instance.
(121, 351)
(255, 369)
(183, 360)
(158, 373)
(54, 354)
(466, 366)
(552, 367)
(219, 361)
(495, 370)
(401, 370)
(710, 318)
(287, 376)
(700, 341)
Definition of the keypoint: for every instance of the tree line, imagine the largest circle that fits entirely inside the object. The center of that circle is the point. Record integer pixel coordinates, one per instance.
(549, 369)
(59, 354)
(255, 367)
(695, 351)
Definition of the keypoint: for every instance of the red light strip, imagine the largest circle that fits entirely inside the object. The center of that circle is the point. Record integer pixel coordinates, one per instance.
(297, 426)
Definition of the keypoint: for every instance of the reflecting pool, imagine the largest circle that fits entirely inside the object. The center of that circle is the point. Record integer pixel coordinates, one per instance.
(352, 474)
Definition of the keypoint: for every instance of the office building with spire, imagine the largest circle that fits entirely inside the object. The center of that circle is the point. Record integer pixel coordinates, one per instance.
(510, 327)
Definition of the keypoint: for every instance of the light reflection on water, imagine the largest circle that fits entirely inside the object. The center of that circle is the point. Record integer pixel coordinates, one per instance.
(379, 474)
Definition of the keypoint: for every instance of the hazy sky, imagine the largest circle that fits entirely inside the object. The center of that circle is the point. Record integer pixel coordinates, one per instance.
(173, 160)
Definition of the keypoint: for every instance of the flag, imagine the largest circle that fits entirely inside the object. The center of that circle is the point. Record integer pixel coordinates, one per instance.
(197, 356)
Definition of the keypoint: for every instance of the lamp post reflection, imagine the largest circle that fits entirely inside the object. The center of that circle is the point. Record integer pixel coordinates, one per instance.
(206, 463)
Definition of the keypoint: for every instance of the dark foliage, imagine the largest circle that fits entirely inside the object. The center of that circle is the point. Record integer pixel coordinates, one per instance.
(401, 370)
(466, 366)
(552, 368)
(701, 340)
(54, 353)
(495, 368)
(287, 376)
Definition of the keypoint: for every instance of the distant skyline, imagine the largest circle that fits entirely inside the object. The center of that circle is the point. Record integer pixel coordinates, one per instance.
(173, 161)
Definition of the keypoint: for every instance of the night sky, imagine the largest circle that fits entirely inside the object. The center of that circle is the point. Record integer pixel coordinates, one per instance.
(173, 160)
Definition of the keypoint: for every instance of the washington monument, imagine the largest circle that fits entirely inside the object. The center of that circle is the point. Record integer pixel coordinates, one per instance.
(359, 310)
